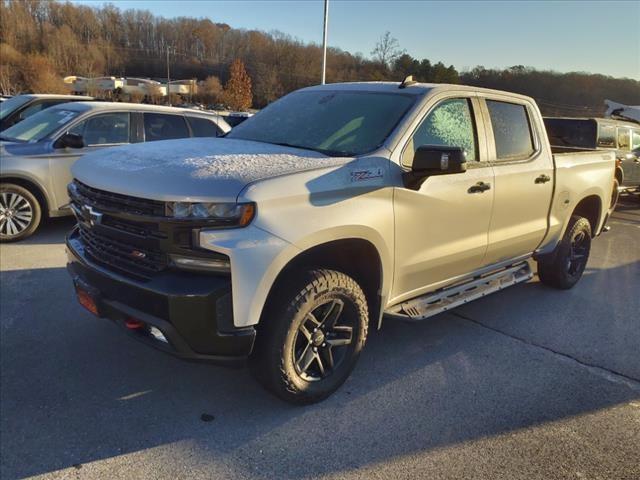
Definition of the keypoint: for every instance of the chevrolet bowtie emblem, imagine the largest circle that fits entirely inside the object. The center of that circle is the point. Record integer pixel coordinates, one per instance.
(91, 216)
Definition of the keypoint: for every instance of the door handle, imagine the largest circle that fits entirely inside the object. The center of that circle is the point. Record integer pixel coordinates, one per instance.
(479, 187)
(543, 179)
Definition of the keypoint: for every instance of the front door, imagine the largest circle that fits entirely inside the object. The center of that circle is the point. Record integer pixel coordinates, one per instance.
(442, 228)
(98, 131)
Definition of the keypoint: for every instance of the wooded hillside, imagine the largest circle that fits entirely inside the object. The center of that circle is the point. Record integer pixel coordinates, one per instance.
(43, 41)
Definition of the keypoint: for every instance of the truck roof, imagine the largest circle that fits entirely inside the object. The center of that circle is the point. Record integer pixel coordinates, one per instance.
(412, 89)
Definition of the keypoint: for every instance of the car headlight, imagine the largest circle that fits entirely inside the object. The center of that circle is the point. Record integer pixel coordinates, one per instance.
(232, 214)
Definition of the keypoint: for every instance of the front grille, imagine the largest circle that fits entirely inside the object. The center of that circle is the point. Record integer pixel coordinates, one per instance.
(82, 194)
(122, 256)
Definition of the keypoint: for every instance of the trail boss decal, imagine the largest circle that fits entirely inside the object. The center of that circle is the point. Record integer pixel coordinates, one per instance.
(366, 174)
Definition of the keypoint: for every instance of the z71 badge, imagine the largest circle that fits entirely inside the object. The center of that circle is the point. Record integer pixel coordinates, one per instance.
(367, 174)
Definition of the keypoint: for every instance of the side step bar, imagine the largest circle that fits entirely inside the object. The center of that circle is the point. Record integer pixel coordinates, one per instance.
(433, 303)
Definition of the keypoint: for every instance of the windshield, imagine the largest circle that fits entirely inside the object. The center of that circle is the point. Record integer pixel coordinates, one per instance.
(12, 105)
(40, 125)
(338, 123)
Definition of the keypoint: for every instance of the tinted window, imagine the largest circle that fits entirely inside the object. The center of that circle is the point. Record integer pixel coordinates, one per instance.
(624, 138)
(201, 127)
(449, 124)
(104, 129)
(571, 133)
(511, 130)
(606, 136)
(160, 126)
(332, 122)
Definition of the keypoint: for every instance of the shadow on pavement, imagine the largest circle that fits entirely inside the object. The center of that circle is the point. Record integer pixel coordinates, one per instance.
(76, 390)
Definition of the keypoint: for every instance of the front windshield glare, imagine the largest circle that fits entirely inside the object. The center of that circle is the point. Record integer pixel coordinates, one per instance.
(335, 123)
(40, 125)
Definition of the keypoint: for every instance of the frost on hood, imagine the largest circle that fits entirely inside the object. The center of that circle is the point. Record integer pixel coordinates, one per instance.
(205, 158)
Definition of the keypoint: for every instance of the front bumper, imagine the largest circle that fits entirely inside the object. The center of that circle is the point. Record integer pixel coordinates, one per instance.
(193, 311)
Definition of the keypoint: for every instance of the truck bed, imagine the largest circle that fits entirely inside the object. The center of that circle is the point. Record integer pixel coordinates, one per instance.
(579, 174)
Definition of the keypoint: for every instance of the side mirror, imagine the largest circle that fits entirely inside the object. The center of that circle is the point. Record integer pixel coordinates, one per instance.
(70, 140)
(435, 160)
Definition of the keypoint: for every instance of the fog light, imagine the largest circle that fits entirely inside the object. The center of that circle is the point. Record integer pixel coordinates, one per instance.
(157, 334)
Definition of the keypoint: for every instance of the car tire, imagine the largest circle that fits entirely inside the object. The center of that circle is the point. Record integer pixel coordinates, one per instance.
(20, 213)
(297, 363)
(564, 267)
(615, 195)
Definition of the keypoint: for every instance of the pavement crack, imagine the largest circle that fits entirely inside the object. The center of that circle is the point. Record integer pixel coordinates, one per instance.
(607, 373)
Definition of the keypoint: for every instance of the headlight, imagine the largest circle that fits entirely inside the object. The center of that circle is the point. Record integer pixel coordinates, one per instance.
(233, 214)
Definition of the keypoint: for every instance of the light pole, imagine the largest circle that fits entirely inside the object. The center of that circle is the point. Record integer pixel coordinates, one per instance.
(324, 41)
(168, 79)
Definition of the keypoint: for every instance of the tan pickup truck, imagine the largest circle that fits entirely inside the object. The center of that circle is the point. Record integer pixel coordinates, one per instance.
(332, 208)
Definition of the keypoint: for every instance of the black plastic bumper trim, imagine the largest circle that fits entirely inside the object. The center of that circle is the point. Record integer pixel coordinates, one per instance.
(184, 307)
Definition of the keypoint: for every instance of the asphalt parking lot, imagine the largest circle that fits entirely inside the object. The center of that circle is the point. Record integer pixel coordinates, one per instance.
(528, 383)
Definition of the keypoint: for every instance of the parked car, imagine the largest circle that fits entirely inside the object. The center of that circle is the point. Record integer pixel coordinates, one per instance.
(601, 134)
(335, 205)
(236, 118)
(35, 155)
(16, 109)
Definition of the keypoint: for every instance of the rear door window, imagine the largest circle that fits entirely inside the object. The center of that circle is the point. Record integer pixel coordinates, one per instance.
(202, 127)
(511, 130)
(162, 126)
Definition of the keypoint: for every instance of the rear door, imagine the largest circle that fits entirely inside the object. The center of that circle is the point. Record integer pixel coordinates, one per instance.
(441, 228)
(523, 169)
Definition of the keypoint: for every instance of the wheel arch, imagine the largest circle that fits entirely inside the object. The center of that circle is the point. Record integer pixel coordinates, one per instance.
(590, 207)
(357, 257)
(33, 187)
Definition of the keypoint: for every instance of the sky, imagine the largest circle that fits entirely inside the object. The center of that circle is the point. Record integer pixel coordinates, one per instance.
(588, 36)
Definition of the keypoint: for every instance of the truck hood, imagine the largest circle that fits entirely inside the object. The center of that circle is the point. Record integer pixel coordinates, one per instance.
(195, 169)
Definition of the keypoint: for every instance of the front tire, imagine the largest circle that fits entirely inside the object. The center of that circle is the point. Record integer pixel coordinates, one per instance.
(564, 267)
(20, 213)
(311, 336)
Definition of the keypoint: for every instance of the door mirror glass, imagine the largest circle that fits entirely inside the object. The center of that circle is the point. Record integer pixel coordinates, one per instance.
(70, 140)
(439, 160)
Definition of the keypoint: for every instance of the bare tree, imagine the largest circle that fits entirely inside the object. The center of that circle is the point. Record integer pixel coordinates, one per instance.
(387, 49)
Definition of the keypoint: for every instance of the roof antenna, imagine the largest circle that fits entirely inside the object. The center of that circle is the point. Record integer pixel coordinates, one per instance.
(408, 81)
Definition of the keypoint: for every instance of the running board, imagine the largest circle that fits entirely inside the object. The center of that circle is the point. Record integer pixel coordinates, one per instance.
(431, 304)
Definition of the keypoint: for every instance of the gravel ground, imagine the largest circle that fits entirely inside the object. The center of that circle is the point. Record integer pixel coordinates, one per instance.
(528, 383)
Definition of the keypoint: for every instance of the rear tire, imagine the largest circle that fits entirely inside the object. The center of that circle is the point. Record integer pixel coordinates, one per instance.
(20, 213)
(564, 267)
(615, 195)
(311, 336)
